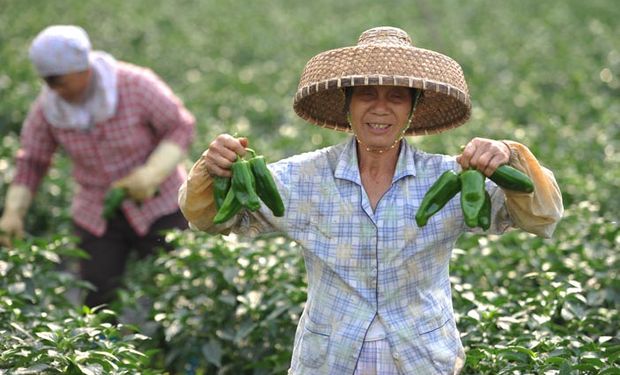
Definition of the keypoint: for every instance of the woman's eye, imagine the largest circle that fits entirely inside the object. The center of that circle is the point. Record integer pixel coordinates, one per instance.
(366, 95)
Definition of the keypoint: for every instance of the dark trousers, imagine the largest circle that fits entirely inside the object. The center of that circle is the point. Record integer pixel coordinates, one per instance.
(109, 253)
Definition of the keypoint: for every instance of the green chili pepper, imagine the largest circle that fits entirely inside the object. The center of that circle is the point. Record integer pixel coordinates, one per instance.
(221, 185)
(243, 185)
(442, 190)
(112, 201)
(472, 195)
(229, 208)
(513, 179)
(484, 217)
(265, 185)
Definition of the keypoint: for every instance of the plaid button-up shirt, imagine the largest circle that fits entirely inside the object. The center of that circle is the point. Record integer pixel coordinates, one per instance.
(147, 113)
(374, 276)
(363, 263)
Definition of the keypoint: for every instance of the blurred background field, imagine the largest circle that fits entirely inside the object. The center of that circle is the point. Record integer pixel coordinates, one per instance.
(544, 73)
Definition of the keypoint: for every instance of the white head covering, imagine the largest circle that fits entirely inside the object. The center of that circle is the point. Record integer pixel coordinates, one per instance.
(59, 50)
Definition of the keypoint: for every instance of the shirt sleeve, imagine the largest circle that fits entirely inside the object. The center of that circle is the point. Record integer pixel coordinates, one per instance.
(37, 147)
(197, 204)
(540, 211)
(165, 112)
(196, 199)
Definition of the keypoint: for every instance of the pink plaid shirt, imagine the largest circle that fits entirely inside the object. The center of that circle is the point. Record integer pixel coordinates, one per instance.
(147, 113)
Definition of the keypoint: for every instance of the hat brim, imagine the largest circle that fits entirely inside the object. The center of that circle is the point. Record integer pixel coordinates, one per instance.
(445, 103)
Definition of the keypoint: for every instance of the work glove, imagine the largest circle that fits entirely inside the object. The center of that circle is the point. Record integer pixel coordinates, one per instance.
(17, 201)
(143, 182)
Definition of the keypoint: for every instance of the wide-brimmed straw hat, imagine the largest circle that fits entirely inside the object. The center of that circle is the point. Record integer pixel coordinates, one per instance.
(384, 56)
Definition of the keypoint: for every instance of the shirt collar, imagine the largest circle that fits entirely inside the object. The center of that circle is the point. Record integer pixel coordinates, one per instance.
(348, 167)
(405, 166)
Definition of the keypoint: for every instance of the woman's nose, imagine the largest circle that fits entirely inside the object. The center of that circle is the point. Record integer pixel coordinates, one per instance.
(380, 105)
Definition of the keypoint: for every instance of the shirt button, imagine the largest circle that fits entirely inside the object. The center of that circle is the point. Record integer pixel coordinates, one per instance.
(396, 356)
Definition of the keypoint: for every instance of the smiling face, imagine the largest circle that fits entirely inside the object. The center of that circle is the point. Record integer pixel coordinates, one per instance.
(379, 114)
(72, 87)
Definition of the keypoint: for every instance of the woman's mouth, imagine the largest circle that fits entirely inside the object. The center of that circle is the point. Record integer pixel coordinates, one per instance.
(378, 126)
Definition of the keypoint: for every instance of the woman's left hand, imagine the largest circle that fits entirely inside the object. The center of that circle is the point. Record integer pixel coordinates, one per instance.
(484, 155)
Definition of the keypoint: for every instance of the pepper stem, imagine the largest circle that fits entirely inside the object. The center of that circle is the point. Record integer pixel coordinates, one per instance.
(251, 151)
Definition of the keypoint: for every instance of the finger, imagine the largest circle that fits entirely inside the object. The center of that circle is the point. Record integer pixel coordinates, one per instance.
(221, 163)
(493, 164)
(237, 145)
(218, 171)
(227, 147)
(465, 158)
(221, 156)
(480, 160)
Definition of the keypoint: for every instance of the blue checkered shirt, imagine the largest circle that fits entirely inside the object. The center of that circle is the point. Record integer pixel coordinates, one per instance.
(363, 264)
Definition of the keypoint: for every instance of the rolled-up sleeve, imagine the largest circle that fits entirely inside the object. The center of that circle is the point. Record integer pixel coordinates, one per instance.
(196, 198)
(540, 211)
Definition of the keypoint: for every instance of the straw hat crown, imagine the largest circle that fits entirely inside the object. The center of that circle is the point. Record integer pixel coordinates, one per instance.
(384, 56)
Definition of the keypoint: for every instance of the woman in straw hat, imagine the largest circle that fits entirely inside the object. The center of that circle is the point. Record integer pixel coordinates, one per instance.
(379, 297)
(121, 126)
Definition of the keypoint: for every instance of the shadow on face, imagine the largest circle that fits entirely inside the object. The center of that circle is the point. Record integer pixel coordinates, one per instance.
(72, 87)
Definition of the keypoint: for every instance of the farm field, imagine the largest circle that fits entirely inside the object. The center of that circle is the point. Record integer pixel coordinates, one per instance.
(546, 74)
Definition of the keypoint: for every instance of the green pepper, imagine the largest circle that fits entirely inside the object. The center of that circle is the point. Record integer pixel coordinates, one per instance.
(112, 201)
(484, 217)
(513, 179)
(442, 190)
(221, 185)
(472, 195)
(243, 185)
(265, 185)
(229, 208)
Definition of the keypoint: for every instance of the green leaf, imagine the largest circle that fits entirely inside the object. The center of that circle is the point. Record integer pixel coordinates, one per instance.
(566, 369)
(47, 336)
(101, 353)
(88, 369)
(213, 352)
(610, 371)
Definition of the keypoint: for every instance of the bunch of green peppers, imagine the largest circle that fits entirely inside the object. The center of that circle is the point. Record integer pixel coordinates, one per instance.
(251, 183)
(475, 200)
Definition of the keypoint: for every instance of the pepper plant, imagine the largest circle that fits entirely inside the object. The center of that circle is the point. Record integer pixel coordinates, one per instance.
(42, 329)
(219, 304)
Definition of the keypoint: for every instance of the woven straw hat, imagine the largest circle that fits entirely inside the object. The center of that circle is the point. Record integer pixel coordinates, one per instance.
(384, 56)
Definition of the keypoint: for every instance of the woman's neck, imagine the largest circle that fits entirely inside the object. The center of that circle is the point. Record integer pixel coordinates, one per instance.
(377, 164)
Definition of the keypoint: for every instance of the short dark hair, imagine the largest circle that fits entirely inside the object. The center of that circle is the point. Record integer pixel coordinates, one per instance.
(51, 80)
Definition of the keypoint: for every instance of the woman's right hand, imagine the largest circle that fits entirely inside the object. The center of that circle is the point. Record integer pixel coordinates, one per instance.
(11, 226)
(222, 153)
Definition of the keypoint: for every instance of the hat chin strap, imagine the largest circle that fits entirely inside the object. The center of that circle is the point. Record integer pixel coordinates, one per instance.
(380, 150)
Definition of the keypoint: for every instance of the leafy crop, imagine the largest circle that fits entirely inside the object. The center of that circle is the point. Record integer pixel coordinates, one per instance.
(43, 332)
(546, 74)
